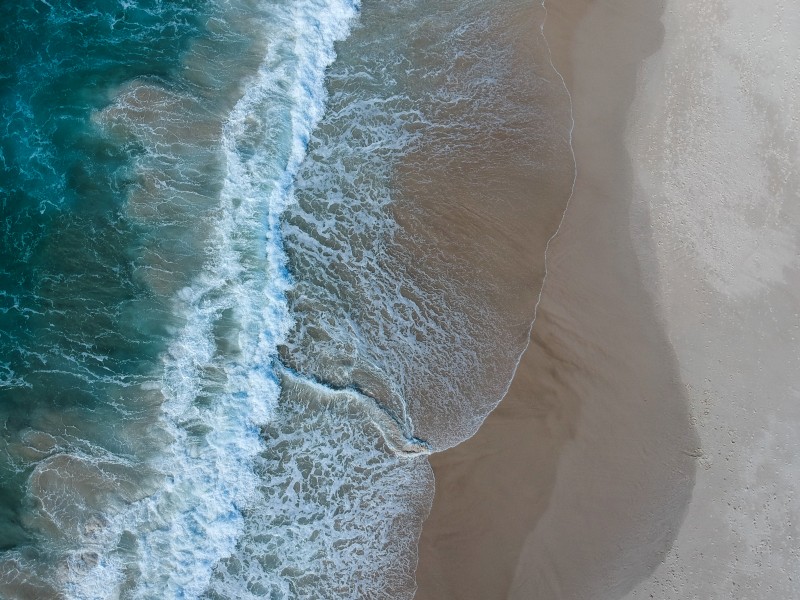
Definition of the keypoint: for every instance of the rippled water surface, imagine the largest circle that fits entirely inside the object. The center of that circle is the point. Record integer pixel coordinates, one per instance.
(258, 260)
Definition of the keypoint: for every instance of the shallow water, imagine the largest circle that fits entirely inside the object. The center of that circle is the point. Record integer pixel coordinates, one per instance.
(258, 258)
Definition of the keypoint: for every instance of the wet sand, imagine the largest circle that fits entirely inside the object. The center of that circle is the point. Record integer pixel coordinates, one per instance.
(476, 204)
(576, 485)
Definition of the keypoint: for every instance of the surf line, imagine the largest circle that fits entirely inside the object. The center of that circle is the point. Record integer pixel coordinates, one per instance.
(401, 443)
(569, 141)
(572, 188)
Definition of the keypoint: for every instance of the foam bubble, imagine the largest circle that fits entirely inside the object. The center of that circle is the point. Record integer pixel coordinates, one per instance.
(214, 402)
(339, 507)
(416, 207)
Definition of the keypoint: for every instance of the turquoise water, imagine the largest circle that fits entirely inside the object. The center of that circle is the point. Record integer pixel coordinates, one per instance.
(78, 328)
(225, 347)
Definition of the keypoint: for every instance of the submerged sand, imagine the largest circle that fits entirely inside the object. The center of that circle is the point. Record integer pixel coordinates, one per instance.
(667, 343)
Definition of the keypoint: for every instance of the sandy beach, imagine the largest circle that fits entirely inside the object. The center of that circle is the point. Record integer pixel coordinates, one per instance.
(268, 268)
(647, 445)
(579, 480)
(716, 149)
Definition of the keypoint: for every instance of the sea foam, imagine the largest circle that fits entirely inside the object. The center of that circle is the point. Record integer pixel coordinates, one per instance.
(215, 402)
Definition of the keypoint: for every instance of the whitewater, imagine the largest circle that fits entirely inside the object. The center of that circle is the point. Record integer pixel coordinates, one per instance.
(253, 272)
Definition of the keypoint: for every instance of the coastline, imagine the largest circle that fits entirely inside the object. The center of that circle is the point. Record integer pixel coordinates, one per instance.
(272, 267)
(587, 465)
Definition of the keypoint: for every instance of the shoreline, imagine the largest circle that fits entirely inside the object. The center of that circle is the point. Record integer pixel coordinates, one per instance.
(479, 218)
(593, 438)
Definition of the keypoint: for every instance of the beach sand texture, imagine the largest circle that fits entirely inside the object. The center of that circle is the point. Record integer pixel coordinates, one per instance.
(594, 438)
(666, 344)
(715, 143)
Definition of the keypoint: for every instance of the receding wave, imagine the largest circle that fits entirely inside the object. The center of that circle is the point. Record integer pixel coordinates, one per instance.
(439, 171)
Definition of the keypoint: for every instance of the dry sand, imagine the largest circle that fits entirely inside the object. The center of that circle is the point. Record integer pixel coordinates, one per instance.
(581, 484)
(577, 483)
(715, 138)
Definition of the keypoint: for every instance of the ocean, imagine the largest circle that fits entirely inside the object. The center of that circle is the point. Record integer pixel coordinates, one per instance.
(259, 258)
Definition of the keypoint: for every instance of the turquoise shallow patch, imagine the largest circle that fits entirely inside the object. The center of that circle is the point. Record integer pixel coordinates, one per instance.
(78, 331)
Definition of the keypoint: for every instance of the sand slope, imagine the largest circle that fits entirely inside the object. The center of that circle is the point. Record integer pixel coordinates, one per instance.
(575, 486)
(672, 301)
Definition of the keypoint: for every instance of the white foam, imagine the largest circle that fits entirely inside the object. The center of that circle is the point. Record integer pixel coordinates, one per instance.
(340, 509)
(195, 518)
(395, 307)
